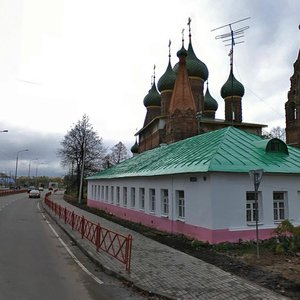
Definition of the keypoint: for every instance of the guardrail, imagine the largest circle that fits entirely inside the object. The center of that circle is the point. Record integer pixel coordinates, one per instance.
(115, 244)
(11, 192)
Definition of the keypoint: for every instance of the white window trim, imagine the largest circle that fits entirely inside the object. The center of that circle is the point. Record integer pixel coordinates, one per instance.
(260, 209)
(165, 202)
(285, 206)
(152, 201)
(142, 199)
(178, 200)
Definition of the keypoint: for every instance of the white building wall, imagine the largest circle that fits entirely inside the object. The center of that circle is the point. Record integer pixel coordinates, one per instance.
(197, 195)
(213, 201)
(229, 199)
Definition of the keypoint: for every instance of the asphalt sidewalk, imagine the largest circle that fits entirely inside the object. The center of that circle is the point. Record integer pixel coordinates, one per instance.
(162, 270)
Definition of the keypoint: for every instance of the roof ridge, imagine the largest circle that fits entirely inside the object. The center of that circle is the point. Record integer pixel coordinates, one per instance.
(226, 129)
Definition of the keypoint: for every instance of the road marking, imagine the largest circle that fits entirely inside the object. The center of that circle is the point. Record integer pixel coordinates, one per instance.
(69, 250)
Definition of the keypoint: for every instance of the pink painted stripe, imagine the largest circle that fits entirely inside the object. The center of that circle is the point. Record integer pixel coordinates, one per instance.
(180, 227)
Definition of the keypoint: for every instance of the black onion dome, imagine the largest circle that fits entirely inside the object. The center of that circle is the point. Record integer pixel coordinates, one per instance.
(153, 97)
(181, 52)
(194, 65)
(209, 102)
(167, 80)
(232, 87)
(135, 148)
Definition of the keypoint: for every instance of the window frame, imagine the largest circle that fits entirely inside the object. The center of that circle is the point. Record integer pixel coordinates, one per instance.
(280, 209)
(180, 205)
(152, 200)
(164, 202)
(125, 196)
(250, 200)
(118, 195)
(142, 198)
(132, 197)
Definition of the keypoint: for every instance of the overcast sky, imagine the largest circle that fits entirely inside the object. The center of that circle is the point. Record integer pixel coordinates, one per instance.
(61, 59)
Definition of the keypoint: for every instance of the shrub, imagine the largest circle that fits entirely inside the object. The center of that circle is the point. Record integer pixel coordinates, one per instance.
(288, 238)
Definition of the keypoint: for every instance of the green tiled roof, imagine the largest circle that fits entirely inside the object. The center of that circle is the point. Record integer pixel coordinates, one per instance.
(224, 150)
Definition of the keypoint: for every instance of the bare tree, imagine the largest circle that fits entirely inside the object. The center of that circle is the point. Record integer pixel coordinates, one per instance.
(278, 132)
(82, 150)
(118, 153)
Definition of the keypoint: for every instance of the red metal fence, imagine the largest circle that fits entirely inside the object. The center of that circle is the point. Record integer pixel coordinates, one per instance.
(115, 244)
(11, 192)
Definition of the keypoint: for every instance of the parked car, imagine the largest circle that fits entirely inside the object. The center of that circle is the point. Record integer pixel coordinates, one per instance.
(41, 188)
(34, 194)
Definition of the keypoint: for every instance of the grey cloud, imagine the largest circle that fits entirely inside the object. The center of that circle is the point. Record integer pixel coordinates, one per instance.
(42, 147)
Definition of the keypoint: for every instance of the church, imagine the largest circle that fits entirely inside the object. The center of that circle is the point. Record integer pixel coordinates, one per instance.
(178, 108)
(189, 173)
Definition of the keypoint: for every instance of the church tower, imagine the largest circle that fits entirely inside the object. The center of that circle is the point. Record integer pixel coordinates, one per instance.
(292, 108)
(181, 122)
(232, 92)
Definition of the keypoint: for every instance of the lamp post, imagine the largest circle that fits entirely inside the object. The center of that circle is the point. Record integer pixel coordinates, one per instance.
(256, 176)
(82, 172)
(36, 173)
(17, 159)
(29, 169)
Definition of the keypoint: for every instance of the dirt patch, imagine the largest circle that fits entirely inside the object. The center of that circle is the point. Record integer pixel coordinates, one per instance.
(279, 273)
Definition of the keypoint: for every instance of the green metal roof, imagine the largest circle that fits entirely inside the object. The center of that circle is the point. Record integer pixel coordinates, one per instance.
(224, 150)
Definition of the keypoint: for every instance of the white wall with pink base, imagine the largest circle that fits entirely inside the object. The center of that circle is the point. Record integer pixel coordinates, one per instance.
(214, 203)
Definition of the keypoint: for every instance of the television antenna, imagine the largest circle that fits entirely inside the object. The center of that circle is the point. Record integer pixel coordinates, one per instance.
(232, 36)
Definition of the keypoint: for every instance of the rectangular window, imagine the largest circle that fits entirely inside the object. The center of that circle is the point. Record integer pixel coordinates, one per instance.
(253, 208)
(142, 198)
(165, 202)
(93, 196)
(132, 197)
(152, 200)
(180, 204)
(106, 193)
(279, 206)
(111, 194)
(102, 192)
(118, 195)
(99, 193)
(125, 196)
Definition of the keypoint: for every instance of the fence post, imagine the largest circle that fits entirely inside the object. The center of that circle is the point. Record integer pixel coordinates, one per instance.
(82, 227)
(72, 220)
(98, 232)
(128, 252)
(65, 214)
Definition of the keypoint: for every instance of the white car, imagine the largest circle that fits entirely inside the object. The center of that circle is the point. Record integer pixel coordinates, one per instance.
(34, 194)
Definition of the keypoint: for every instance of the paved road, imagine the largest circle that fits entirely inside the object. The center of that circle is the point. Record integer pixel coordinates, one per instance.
(35, 262)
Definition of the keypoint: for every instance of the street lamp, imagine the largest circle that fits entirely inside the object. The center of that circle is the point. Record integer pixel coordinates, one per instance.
(36, 172)
(17, 159)
(29, 166)
(256, 176)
